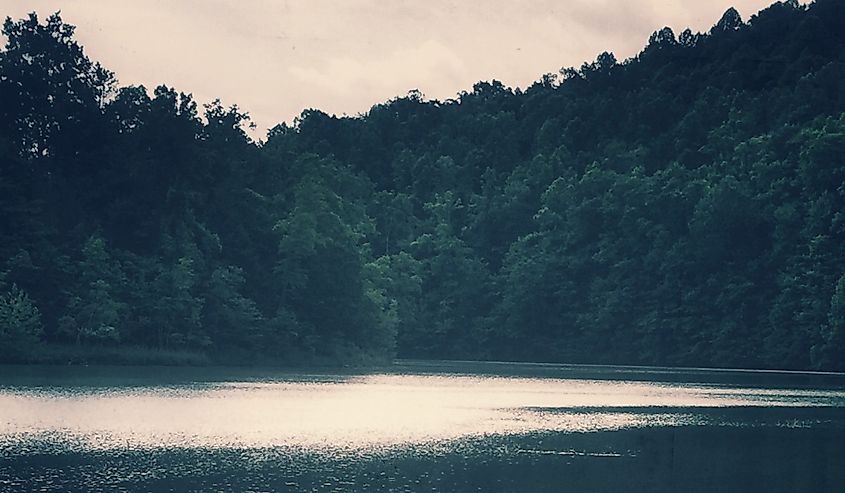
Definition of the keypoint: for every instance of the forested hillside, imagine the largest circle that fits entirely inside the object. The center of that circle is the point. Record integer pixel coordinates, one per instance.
(683, 207)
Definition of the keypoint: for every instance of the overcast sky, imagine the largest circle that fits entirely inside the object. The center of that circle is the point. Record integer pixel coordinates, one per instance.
(276, 58)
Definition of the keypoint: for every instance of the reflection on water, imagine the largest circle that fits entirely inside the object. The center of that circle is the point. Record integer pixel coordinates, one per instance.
(368, 412)
(420, 427)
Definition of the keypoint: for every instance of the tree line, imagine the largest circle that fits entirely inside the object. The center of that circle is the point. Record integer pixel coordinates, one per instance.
(683, 207)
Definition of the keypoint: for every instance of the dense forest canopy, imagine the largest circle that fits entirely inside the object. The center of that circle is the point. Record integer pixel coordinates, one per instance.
(682, 207)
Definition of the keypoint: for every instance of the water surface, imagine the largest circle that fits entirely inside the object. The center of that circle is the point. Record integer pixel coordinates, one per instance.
(289, 430)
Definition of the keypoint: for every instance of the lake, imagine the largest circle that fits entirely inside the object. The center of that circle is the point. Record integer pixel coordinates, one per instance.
(420, 426)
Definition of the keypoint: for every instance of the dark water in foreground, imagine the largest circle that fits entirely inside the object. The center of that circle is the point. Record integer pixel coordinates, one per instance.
(420, 426)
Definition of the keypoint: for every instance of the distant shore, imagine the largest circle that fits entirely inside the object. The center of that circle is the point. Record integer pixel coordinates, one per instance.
(70, 354)
(82, 355)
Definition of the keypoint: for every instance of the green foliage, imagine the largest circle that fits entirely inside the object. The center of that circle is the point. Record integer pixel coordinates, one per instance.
(61, 86)
(94, 314)
(20, 325)
(176, 312)
(682, 207)
(321, 266)
(231, 318)
(834, 345)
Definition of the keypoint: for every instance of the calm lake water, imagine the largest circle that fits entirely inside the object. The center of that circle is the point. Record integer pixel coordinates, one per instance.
(420, 426)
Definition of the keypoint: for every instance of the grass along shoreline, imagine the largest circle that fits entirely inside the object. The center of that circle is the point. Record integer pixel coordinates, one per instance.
(72, 354)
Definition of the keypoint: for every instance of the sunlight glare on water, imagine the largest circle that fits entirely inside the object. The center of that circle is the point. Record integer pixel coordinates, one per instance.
(365, 412)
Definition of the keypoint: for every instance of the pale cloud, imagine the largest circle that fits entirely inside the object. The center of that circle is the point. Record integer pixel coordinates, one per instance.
(275, 58)
(430, 64)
